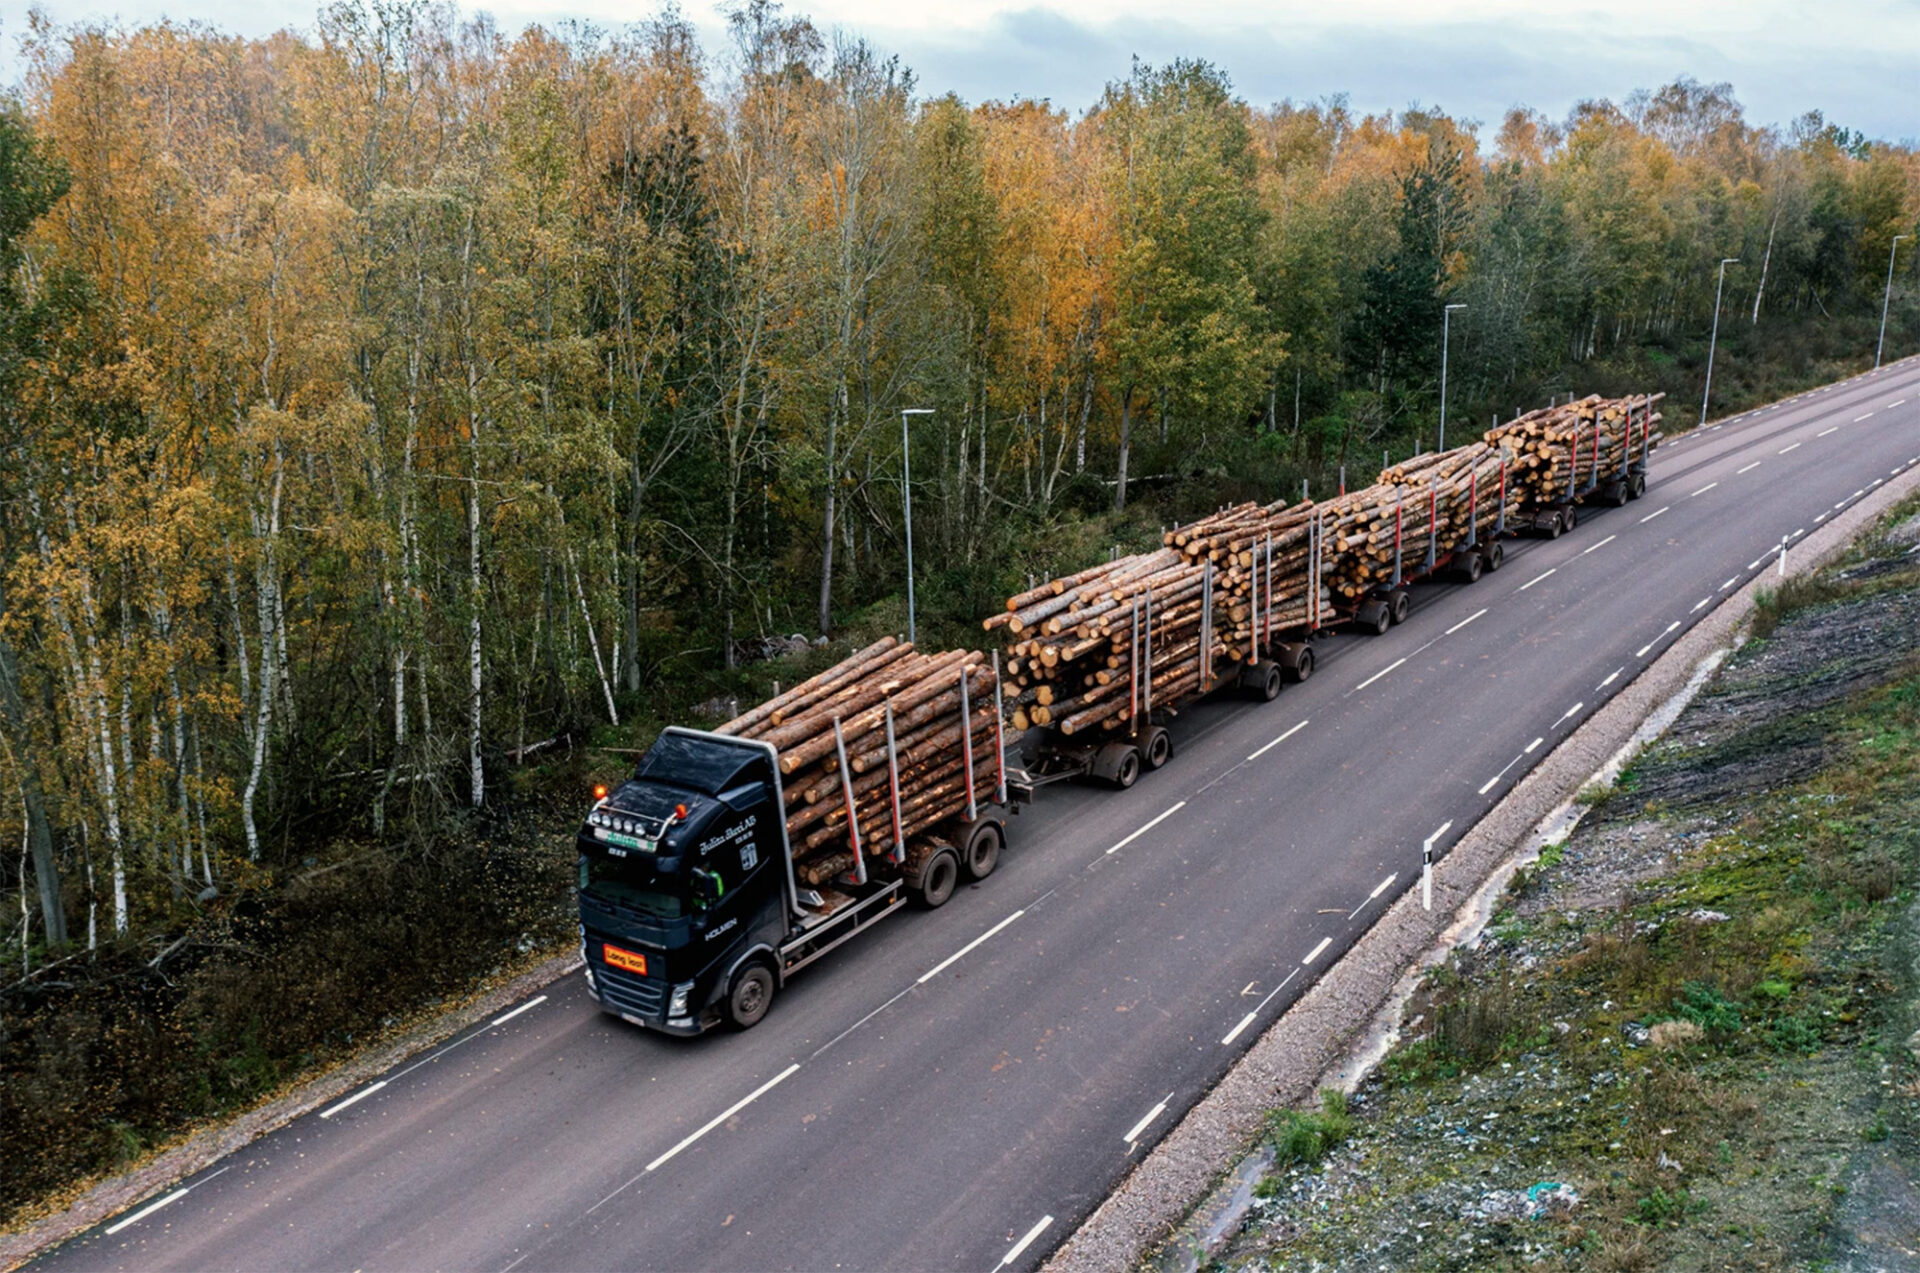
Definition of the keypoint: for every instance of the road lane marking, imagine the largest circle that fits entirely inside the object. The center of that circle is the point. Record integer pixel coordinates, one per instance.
(1023, 1243)
(1642, 651)
(731, 1110)
(1602, 544)
(1489, 785)
(358, 1096)
(1700, 605)
(1536, 579)
(1162, 818)
(531, 1003)
(1728, 584)
(1133, 1133)
(961, 953)
(146, 1211)
(1377, 675)
(1235, 1032)
(1570, 711)
(1857, 494)
(1822, 517)
(1316, 951)
(1783, 450)
(1530, 746)
(1750, 468)
(1703, 490)
(1378, 889)
(1463, 623)
(1796, 534)
(1857, 419)
(1650, 516)
(1876, 482)
(1898, 402)
(1611, 678)
(1823, 433)
(1255, 756)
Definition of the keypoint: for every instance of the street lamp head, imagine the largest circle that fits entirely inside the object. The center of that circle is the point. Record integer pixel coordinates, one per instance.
(1458, 305)
(916, 410)
(1729, 260)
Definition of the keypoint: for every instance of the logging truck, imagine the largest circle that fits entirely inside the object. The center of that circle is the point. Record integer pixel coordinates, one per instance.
(691, 912)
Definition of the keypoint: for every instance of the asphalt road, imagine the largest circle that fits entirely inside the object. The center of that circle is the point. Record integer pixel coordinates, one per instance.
(961, 1087)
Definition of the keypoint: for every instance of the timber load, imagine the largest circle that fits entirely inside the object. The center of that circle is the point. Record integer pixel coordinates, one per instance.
(878, 749)
(1419, 513)
(1099, 649)
(1559, 453)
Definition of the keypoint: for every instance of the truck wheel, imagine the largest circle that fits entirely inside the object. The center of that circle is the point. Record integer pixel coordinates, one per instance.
(1636, 486)
(1158, 749)
(1127, 772)
(938, 879)
(1495, 555)
(983, 849)
(1398, 603)
(1470, 568)
(1270, 683)
(1298, 662)
(1553, 527)
(1373, 616)
(1570, 518)
(750, 996)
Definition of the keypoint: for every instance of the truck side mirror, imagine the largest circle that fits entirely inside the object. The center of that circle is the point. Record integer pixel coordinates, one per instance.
(706, 887)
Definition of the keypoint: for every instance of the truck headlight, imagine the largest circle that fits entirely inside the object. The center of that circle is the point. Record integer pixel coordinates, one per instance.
(677, 1006)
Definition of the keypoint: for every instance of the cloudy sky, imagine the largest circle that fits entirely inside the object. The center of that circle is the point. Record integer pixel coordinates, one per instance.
(1858, 61)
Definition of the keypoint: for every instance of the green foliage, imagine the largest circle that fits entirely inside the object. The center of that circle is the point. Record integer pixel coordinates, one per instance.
(1303, 1139)
(1708, 1008)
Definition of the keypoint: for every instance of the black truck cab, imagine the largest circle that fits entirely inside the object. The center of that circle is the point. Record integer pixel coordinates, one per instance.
(685, 882)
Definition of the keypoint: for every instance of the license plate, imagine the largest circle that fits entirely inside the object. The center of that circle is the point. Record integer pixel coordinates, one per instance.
(625, 960)
(624, 841)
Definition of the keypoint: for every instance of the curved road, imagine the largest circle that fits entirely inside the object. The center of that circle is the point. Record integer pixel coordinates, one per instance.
(959, 1089)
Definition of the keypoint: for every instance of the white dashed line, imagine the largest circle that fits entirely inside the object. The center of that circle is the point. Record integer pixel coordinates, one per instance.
(1133, 1133)
(1377, 675)
(1025, 1242)
(1489, 784)
(954, 958)
(1783, 450)
(1530, 746)
(1728, 584)
(1823, 433)
(1536, 579)
(1650, 516)
(1162, 818)
(1898, 402)
(1750, 468)
(1700, 605)
(1703, 490)
(1641, 653)
(1570, 711)
(1611, 678)
(1464, 622)
(1857, 419)
(1317, 950)
(1821, 518)
(530, 1004)
(1255, 756)
(1602, 544)
(733, 1109)
(357, 1097)
(1235, 1032)
(146, 1211)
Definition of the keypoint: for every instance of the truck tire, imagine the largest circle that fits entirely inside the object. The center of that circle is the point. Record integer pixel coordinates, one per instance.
(1157, 748)
(984, 843)
(1494, 555)
(1373, 616)
(1260, 681)
(1296, 660)
(1398, 604)
(1570, 518)
(1127, 772)
(1470, 567)
(749, 997)
(1636, 486)
(1553, 527)
(938, 878)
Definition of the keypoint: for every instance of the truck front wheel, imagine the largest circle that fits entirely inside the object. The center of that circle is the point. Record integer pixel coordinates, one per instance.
(750, 996)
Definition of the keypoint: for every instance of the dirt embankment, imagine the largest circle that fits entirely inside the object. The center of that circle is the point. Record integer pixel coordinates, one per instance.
(1688, 1038)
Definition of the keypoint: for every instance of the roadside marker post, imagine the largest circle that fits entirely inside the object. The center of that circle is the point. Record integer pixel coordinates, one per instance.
(1426, 866)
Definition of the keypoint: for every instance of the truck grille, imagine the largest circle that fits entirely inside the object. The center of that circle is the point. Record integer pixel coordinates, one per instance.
(624, 992)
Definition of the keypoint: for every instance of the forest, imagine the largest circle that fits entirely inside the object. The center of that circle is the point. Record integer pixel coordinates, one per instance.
(397, 409)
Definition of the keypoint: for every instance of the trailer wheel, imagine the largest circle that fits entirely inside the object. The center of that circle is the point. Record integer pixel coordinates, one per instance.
(1571, 517)
(1297, 661)
(1636, 486)
(1470, 568)
(1373, 616)
(750, 996)
(1553, 527)
(1127, 772)
(939, 878)
(1494, 555)
(1158, 748)
(1398, 603)
(983, 849)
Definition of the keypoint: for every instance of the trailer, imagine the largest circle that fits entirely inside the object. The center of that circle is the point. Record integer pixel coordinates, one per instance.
(1610, 480)
(1479, 553)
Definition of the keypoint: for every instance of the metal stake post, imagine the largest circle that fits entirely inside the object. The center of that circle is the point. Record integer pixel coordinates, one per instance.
(853, 816)
(999, 735)
(966, 743)
(893, 786)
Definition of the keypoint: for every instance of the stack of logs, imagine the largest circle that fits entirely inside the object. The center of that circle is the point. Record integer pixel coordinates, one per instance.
(1195, 607)
(1558, 451)
(1439, 501)
(924, 693)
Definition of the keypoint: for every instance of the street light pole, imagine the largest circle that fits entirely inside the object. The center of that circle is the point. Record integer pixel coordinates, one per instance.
(1877, 349)
(906, 500)
(1714, 340)
(1446, 317)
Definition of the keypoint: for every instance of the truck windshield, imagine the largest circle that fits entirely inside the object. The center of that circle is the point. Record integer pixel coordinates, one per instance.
(629, 883)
